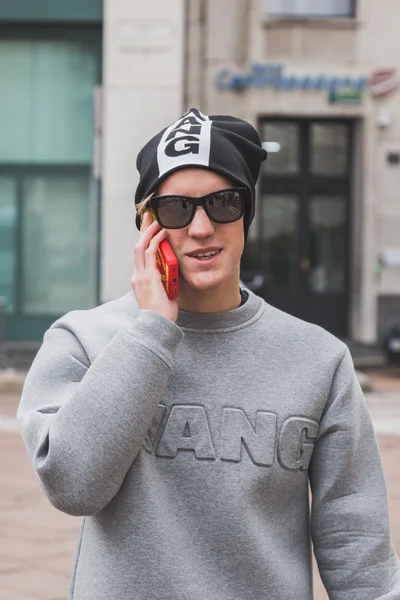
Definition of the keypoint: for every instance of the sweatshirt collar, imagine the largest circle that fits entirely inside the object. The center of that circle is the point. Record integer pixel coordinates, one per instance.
(219, 322)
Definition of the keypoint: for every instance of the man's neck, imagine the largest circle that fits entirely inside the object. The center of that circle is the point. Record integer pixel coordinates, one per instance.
(221, 299)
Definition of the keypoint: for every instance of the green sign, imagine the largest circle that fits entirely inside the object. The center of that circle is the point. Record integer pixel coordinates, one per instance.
(345, 97)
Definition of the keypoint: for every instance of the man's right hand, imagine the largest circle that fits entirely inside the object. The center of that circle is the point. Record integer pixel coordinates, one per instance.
(146, 280)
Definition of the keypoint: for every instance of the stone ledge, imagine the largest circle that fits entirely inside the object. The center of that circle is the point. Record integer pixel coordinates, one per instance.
(289, 22)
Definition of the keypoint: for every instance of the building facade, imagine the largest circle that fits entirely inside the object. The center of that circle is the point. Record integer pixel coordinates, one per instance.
(319, 80)
(87, 86)
(83, 85)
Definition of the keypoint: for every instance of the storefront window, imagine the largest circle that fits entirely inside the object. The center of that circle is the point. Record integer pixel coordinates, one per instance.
(282, 142)
(57, 250)
(329, 149)
(327, 244)
(48, 249)
(279, 240)
(46, 101)
(8, 224)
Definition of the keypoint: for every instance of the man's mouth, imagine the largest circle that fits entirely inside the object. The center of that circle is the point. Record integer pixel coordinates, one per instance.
(206, 254)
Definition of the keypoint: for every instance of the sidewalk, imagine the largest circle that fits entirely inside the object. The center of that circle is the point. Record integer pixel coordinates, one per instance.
(37, 542)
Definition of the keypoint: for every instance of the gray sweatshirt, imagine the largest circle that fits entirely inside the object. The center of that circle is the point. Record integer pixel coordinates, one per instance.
(189, 449)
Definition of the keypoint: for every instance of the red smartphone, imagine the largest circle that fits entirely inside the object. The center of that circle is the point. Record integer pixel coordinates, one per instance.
(167, 265)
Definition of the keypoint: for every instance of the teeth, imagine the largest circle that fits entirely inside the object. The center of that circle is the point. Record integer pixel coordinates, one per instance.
(206, 255)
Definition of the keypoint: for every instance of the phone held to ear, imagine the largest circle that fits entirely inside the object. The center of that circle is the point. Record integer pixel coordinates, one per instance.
(167, 265)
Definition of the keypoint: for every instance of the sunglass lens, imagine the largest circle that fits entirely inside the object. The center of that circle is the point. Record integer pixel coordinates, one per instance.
(174, 212)
(226, 206)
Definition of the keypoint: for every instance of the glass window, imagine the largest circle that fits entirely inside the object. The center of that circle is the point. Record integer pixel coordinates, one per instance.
(46, 101)
(309, 8)
(58, 251)
(329, 149)
(48, 221)
(281, 140)
(8, 224)
(327, 244)
(279, 235)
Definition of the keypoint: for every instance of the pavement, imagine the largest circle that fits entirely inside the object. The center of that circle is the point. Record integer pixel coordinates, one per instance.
(37, 542)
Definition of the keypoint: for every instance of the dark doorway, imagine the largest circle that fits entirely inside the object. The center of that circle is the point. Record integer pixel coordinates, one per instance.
(297, 255)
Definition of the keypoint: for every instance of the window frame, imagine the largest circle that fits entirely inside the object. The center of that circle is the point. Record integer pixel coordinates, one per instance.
(40, 11)
(317, 17)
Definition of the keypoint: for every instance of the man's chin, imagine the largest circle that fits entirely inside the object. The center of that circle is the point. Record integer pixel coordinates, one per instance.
(202, 283)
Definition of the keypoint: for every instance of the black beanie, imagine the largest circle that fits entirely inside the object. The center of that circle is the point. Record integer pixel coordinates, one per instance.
(223, 144)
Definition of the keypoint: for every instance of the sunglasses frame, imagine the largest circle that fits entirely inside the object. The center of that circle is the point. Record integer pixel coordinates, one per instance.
(202, 201)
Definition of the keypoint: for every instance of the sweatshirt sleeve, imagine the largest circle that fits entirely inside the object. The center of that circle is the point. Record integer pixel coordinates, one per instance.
(349, 516)
(83, 424)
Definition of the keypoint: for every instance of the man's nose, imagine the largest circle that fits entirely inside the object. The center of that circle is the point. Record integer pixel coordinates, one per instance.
(201, 226)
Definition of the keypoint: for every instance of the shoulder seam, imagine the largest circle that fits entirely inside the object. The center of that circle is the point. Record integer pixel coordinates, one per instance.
(60, 325)
(326, 407)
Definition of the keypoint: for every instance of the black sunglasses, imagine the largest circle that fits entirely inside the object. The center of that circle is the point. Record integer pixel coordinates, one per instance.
(177, 212)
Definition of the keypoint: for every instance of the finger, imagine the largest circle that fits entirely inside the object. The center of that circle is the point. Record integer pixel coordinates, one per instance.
(147, 220)
(150, 254)
(143, 243)
(147, 232)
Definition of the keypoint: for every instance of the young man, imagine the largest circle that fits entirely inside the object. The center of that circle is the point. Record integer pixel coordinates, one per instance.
(187, 431)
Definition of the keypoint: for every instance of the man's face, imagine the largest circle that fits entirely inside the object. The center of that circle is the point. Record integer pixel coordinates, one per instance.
(203, 235)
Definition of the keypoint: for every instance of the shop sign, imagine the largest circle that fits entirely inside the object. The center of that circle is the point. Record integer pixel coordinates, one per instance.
(273, 76)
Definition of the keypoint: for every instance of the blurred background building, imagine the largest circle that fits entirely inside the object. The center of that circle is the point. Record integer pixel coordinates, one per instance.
(84, 84)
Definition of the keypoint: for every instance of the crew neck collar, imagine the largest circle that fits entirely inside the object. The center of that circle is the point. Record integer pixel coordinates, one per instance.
(222, 321)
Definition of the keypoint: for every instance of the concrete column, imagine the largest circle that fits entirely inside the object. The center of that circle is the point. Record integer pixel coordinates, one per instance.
(196, 93)
(143, 92)
(370, 224)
